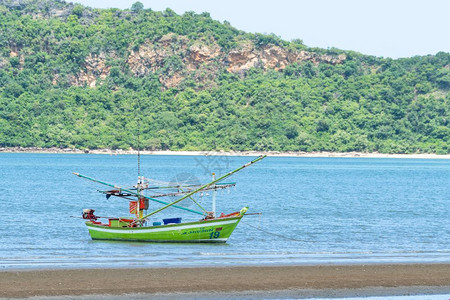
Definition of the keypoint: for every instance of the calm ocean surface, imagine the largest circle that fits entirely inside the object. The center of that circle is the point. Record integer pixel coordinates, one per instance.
(314, 211)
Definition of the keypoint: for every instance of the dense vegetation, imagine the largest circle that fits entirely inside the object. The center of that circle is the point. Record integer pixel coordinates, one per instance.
(363, 104)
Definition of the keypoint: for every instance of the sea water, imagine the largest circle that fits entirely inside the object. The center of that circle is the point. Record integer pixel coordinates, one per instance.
(313, 210)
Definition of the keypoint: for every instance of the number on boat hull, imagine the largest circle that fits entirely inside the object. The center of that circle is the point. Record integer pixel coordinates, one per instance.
(214, 235)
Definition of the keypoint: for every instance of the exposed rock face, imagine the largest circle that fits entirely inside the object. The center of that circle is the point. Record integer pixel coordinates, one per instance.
(242, 59)
(199, 54)
(94, 68)
(318, 58)
(142, 61)
(174, 57)
(45, 8)
(3, 63)
(171, 81)
(149, 58)
(15, 52)
(55, 79)
(273, 57)
(173, 54)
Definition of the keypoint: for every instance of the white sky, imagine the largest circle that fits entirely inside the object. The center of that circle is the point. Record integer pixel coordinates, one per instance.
(388, 28)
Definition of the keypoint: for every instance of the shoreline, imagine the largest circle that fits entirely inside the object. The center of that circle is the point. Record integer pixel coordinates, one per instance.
(55, 150)
(390, 279)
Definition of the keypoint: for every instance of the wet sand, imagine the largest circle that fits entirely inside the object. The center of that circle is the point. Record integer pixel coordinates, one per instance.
(330, 279)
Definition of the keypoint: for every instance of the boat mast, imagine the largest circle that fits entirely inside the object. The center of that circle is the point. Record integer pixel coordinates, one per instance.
(213, 208)
(139, 212)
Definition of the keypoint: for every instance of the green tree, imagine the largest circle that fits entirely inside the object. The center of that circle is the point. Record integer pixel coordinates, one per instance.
(137, 7)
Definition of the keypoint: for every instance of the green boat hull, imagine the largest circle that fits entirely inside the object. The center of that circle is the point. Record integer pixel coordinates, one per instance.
(207, 231)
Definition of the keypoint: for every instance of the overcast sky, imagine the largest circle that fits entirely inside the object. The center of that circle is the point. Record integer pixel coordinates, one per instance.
(388, 28)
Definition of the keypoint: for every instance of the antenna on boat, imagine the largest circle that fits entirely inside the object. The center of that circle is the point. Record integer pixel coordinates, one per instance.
(139, 212)
(139, 138)
(138, 147)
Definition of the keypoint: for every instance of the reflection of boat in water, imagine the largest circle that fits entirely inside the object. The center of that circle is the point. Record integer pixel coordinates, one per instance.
(209, 229)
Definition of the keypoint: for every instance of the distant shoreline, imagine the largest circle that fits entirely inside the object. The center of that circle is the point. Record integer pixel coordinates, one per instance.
(292, 281)
(55, 150)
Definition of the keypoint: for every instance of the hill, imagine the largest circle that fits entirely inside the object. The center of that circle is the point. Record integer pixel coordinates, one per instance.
(73, 76)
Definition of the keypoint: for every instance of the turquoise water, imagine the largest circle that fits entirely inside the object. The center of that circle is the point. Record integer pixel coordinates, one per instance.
(314, 211)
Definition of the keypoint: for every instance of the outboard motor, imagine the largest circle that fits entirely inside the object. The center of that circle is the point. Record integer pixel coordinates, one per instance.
(88, 214)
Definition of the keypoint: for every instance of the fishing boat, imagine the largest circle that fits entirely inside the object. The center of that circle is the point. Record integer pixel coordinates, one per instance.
(208, 229)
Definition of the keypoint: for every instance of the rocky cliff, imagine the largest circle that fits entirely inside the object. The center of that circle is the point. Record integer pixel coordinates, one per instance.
(169, 55)
(173, 57)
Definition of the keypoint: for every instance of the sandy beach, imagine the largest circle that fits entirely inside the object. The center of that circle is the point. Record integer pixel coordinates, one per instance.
(222, 153)
(295, 279)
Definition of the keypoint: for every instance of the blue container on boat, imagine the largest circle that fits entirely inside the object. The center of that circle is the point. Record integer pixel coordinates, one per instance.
(172, 220)
(156, 223)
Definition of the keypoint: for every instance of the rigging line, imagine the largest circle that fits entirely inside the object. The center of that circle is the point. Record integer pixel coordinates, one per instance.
(205, 186)
(278, 235)
(196, 203)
